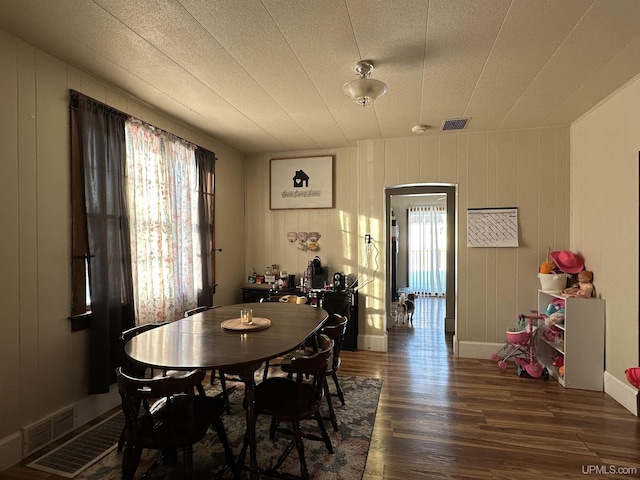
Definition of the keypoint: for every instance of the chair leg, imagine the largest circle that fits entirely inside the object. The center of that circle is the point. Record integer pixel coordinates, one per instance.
(323, 430)
(273, 427)
(170, 457)
(162, 459)
(122, 439)
(130, 461)
(297, 433)
(334, 375)
(225, 394)
(218, 426)
(187, 461)
(242, 455)
(332, 413)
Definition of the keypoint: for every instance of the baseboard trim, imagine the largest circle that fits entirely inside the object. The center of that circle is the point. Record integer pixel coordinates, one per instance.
(621, 392)
(482, 350)
(374, 343)
(10, 450)
(90, 408)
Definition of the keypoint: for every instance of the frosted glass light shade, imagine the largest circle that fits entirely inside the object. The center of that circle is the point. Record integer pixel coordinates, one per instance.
(364, 91)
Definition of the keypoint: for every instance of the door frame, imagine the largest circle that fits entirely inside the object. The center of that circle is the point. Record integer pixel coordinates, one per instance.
(451, 191)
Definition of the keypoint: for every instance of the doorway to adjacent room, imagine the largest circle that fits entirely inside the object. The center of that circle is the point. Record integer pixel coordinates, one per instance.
(398, 199)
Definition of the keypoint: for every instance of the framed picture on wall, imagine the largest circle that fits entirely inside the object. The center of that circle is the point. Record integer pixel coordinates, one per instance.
(305, 182)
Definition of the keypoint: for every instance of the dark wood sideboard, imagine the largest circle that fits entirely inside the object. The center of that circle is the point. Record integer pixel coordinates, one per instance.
(343, 303)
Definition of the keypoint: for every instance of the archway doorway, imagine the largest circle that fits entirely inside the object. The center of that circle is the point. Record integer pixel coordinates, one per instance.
(416, 190)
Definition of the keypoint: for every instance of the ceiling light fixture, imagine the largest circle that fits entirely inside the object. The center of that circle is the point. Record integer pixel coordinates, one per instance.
(419, 128)
(364, 90)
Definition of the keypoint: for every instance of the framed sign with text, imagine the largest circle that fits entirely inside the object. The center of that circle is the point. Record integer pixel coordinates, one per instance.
(305, 182)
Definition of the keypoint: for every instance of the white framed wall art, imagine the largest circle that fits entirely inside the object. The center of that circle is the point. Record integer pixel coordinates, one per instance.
(305, 182)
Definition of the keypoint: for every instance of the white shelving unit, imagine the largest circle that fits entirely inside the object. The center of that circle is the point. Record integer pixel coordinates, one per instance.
(580, 342)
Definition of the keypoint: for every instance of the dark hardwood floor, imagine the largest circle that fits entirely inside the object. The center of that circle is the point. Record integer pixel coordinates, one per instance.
(445, 418)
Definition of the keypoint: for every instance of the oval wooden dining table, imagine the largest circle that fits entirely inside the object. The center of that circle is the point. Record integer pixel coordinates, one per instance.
(200, 341)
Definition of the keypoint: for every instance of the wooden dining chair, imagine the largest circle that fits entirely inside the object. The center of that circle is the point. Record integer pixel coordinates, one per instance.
(180, 417)
(294, 400)
(298, 300)
(193, 311)
(222, 376)
(128, 365)
(335, 328)
(233, 375)
(132, 368)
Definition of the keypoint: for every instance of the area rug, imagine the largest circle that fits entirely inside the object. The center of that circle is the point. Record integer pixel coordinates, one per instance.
(350, 444)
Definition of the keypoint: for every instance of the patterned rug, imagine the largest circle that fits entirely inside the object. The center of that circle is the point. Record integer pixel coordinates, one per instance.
(350, 443)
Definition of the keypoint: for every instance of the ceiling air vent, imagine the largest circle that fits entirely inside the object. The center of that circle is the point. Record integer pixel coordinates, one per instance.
(455, 124)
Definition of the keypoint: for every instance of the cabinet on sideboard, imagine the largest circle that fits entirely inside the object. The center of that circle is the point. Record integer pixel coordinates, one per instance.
(344, 303)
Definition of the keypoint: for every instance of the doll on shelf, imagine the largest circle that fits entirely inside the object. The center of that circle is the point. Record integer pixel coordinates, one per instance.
(582, 289)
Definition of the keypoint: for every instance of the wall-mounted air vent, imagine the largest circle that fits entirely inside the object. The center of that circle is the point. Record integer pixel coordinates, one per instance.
(455, 124)
(36, 436)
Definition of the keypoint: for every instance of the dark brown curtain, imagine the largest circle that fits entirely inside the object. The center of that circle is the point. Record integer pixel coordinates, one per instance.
(206, 161)
(98, 159)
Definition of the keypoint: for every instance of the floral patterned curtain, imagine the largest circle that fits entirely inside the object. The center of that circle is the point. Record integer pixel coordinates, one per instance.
(163, 208)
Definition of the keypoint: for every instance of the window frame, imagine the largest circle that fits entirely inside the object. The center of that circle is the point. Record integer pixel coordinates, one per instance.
(80, 317)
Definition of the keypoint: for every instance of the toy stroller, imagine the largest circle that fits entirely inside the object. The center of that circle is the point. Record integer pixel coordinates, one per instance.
(520, 347)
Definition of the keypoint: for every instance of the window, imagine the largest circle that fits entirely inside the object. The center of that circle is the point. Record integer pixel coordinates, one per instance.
(427, 244)
(141, 228)
(167, 207)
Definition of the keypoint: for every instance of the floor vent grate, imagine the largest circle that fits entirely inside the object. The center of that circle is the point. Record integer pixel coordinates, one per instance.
(83, 450)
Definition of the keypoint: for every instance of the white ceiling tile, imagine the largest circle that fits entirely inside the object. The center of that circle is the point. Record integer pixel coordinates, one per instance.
(266, 75)
(589, 47)
(532, 32)
(460, 36)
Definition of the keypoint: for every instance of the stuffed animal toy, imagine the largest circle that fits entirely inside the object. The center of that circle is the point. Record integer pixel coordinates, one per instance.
(556, 317)
(546, 267)
(558, 361)
(557, 306)
(555, 312)
(584, 287)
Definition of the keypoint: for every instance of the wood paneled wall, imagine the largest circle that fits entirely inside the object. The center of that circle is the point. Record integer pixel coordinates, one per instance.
(45, 363)
(605, 162)
(528, 169)
(266, 230)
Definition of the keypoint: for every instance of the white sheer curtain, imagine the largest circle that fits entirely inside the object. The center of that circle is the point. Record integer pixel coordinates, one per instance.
(427, 243)
(163, 208)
